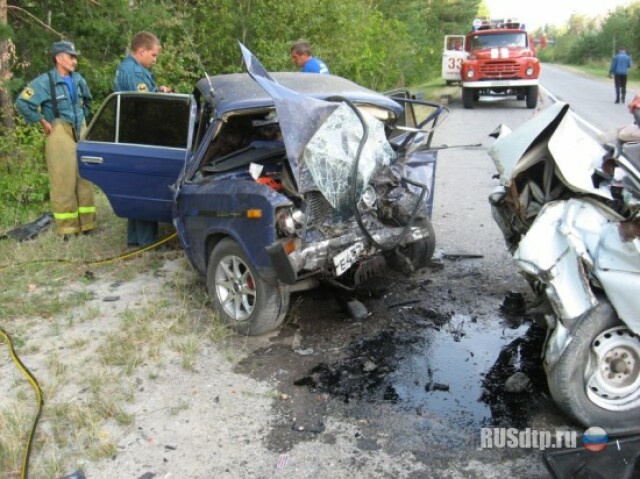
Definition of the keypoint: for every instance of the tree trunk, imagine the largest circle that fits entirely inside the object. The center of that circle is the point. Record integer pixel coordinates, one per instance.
(6, 107)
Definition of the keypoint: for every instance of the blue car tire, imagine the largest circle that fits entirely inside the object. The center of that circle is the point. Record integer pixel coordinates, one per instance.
(242, 299)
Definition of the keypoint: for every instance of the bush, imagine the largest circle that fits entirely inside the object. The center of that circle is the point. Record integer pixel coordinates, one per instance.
(24, 183)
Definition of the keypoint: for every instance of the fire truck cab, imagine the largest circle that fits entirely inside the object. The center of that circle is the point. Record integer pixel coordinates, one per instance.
(498, 59)
(452, 57)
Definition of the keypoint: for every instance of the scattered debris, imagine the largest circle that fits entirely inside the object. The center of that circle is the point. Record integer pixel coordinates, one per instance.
(357, 310)
(518, 382)
(513, 302)
(314, 428)
(458, 332)
(317, 428)
(111, 298)
(434, 386)
(369, 366)
(438, 318)
(30, 230)
(304, 352)
(373, 288)
(462, 256)
(403, 303)
(436, 265)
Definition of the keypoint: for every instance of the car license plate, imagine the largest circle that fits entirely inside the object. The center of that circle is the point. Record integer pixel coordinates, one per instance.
(502, 83)
(343, 260)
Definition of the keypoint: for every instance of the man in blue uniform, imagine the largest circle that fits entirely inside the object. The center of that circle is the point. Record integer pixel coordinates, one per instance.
(134, 74)
(620, 66)
(60, 101)
(301, 56)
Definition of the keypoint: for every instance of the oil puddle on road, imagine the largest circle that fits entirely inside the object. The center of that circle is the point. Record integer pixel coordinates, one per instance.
(412, 373)
(458, 372)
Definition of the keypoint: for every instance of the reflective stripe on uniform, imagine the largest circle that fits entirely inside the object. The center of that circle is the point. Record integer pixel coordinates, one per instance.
(83, 210)
(65, 216)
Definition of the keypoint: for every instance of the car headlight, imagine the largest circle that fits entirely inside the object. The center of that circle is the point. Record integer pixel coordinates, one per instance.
(471, 73)
(529, 71)
(299, 217)
(284, 222)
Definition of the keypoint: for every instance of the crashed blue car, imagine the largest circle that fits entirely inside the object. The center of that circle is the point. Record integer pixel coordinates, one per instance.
(275, 182)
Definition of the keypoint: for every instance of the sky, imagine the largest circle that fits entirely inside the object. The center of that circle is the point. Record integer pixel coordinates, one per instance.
(536, 13)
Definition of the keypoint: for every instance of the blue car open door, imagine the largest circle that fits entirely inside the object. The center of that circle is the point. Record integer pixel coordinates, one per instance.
(134, 150)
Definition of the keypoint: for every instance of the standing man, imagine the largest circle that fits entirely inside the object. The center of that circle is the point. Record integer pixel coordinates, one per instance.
(620, 66)
(60, 101)
(134, 74)
(301, 56)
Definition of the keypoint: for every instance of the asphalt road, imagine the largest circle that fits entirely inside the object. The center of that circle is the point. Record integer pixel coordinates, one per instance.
(590, 98)
(426, 371)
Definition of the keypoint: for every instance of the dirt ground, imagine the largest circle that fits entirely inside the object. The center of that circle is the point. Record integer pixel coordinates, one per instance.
(401, 393)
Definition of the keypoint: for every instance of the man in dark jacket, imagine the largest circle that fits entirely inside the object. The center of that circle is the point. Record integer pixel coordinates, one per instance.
(134, 74)
(620, 66)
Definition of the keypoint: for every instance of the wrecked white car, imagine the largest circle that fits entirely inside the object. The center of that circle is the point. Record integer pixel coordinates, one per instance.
(274, 182)
(569, 212)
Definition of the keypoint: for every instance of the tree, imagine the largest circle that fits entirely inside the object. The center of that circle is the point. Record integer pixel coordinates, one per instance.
(6, 48)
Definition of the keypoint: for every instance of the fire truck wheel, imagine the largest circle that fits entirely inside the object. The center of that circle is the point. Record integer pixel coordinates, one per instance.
(467, 98)
(532, 96)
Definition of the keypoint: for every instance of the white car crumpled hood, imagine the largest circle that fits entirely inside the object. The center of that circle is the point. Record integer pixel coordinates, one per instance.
(575, 153)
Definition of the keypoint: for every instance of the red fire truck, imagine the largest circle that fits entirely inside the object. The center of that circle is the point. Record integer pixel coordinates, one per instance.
(495, 59)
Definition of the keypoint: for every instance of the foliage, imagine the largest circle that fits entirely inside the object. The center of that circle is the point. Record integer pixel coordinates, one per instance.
(24, 184)
(586, 40)
(381, 44)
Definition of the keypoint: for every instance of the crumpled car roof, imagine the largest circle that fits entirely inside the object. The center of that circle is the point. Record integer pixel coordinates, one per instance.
(237, 91)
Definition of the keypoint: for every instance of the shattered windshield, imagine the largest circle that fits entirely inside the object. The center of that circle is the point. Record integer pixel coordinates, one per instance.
(322, 140)
(330, 155)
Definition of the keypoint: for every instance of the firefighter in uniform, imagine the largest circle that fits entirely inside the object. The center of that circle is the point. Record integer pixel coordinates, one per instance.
(60, 100)
(134, 74)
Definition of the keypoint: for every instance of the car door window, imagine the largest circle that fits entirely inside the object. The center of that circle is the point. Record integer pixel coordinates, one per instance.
(152, 120)
(143, 119)
(103, 127)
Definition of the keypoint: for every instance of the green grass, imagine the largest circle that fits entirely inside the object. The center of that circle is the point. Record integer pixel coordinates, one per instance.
(45, 290)
(33, 274)
(433, 90)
